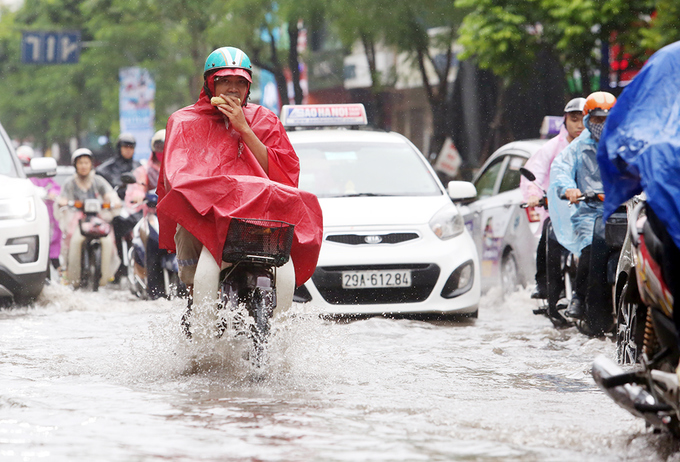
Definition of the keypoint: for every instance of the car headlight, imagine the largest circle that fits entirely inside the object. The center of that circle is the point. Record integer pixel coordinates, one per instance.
(18, 208)
(447, 223)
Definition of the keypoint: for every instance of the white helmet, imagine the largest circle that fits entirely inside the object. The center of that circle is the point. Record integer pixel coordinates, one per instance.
(79, 153)
(575, 105)
(158, 136)
(25, 154)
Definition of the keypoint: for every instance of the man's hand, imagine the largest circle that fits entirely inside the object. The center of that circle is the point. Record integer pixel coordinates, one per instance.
(533, 201)
(573, 195)
(233, 111)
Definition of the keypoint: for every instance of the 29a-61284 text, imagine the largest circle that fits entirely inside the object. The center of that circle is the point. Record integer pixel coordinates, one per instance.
(376, 279)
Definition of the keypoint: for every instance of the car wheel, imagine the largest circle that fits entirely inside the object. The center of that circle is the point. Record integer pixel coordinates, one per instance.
(630, 325)
(509, 273)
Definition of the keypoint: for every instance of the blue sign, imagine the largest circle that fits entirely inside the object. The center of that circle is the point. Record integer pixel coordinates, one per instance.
(42, 47)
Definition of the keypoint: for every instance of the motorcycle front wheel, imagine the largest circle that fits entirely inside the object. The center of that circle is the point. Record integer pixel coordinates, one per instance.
(261, 308)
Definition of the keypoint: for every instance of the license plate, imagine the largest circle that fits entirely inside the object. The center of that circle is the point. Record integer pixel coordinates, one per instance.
(376, 279)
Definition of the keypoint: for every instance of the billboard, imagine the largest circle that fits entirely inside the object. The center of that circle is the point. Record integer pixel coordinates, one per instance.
(137, 109)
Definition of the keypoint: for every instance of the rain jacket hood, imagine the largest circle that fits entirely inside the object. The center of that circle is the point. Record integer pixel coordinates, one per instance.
(209, 175)
(641, 142)
(575, 167)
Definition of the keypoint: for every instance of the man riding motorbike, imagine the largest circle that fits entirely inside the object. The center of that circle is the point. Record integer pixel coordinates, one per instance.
(539, 164)
(112, 170)
(639, 151)
(85, 184)
(575, 171)
(232, 159)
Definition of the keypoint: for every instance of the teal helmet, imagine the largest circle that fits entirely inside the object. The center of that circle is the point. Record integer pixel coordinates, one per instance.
(227, 61)
(228, 58)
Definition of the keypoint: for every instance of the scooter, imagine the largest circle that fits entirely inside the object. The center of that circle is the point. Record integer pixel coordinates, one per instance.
(602, 318)
(152, 272)
(558, 299)
(93, 228)
(256, 275)
(651, 391)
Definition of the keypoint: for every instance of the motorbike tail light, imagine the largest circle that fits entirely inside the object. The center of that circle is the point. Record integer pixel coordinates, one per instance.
(532, 214)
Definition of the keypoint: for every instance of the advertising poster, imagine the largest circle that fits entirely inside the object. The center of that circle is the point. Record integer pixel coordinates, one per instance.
(137, 109)
(270, 93)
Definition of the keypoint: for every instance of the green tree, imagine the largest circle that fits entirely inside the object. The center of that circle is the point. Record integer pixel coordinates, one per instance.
(664, 26)
(505, 38)
(425, 30)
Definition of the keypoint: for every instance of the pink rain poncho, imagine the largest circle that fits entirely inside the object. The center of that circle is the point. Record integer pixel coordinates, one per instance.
(539, 164)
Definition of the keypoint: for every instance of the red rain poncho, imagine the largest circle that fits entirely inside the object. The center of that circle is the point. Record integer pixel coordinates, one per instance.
(205, 181)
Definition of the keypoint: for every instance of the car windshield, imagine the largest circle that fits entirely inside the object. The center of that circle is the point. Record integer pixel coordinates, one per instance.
(7, 165)
(364, 169)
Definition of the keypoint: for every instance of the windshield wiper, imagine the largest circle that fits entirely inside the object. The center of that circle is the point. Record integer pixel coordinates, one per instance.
(362, 195)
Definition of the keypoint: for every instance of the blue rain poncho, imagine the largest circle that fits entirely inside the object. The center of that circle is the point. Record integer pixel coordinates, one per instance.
(640, 147)
(575, 167)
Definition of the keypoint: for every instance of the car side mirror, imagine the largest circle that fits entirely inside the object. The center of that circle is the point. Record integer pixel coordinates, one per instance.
(42, 167)
(461, 190)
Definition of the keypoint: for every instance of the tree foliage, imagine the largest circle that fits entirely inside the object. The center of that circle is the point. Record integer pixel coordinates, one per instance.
(172, 38)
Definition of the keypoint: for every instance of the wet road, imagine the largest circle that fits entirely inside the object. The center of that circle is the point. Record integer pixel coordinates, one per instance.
(108, 377)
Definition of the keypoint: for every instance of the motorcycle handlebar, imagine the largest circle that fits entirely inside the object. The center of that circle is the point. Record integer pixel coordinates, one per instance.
(589, 196)
(542, 202)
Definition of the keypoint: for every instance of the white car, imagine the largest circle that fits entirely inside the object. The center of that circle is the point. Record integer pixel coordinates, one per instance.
(24, 226)
(394, 242)
(505, 235)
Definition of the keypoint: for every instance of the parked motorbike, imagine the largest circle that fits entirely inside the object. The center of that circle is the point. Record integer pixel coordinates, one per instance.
(93, 228)
(152, 272)
(651, 390)
(256, 275)
(558, 299)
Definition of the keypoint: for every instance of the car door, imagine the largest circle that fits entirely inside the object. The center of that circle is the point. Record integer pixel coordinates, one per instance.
(489, 217)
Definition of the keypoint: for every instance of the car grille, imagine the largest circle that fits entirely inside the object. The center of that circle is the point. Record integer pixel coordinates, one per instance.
(358, 239)
(328, 281)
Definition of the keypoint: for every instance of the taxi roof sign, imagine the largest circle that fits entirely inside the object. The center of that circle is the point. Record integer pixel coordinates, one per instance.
(323, 115)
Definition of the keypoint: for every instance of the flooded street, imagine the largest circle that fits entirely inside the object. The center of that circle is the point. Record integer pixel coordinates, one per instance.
(104, 376)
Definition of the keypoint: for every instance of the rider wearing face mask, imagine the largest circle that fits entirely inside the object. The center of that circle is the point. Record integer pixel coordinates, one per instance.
(574, 172)
(230, 159)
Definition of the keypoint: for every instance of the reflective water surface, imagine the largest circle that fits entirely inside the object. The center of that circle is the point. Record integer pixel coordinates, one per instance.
(104, 376)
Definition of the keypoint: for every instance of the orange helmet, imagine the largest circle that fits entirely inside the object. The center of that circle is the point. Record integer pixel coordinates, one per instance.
(599, 104)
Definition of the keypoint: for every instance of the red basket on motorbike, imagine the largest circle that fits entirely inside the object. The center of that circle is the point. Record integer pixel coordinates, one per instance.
(259, 238)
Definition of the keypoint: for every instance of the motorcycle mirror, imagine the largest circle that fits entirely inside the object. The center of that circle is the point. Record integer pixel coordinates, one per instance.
(128, 178)
(527, 174)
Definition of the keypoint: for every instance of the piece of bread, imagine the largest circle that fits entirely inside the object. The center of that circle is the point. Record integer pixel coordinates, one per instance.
(217, 100)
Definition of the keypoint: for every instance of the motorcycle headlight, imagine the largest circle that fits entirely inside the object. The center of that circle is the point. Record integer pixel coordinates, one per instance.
(447, 223)
(17, 208)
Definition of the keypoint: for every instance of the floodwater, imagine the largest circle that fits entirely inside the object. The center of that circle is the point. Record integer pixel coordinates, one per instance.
(104, 376)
